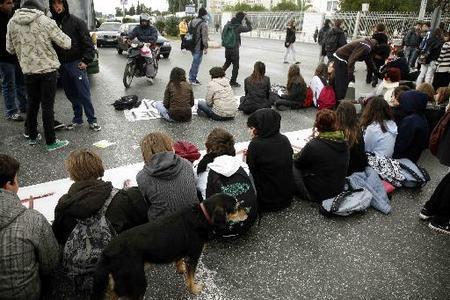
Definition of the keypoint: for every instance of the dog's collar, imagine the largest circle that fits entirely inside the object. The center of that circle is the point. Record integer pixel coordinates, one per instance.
(205, 212)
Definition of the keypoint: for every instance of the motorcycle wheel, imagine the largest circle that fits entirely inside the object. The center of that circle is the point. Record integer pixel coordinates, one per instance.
(128, 74)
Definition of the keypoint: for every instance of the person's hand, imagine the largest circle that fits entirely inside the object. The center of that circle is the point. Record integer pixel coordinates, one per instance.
(205, 51)
(82, 66)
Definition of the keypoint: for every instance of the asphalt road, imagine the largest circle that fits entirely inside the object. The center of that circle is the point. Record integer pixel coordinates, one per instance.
(293, 254)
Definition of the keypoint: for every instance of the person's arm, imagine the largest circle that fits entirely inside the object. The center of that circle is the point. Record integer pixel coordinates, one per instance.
(444, 52)
(9, 42)
(153, 37)
(133, 34)
(304, 158)
(361, 52)
(245, 28)
(191, 97)
(295, 92)
(47, 249)
(342, 41)
(210, 94)
(166, 101)
(204, 33)
(404, 138)
(155, 200)
(86, 42)
(58, 36)
(268, 88)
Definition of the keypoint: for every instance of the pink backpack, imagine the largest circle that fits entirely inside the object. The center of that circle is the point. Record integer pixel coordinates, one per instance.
(327, 98)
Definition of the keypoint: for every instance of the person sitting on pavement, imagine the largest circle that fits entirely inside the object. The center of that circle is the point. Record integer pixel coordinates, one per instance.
(166, 181)
(29, 251)
(87, 197)
(13, 84)
(321, 166)
(73, 75)
(178, 98)
(319, 81)
(347, 122)
(296, 91)
(386, 87)
(269, 157)
(232, 53)
(220, 103)
(380, 130)
(30, 35)
(220, 171)
(257, 90)
(412, 136)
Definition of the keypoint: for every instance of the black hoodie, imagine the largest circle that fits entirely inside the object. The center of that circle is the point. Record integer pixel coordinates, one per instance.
(323, 164)
(269, 157)
(85, 198)
(82, 45)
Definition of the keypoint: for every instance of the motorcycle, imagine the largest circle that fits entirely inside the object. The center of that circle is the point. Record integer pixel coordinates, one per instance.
(142, 61)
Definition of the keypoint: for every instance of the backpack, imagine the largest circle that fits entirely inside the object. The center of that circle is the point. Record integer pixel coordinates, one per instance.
(415, 176)
(331, 41)
(190, 39)
(346, 203)
(229, 36)
(327, 98)
(309, 98)
(438, 132)
(127, 102)
(85, 244)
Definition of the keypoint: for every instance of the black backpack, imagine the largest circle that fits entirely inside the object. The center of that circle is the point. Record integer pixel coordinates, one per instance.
(127, 102)
(190, 39)
(331, 41)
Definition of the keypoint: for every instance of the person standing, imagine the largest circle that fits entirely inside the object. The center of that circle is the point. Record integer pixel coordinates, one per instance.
(335, 39)
(442, 74)
(74, 62)
(30, 35)
(231, 40)
(412, 42)
(183, 28)
(430, 54)
(316, 34)
(13, 85)
(199, 27)
(289, 42)
(321, 38)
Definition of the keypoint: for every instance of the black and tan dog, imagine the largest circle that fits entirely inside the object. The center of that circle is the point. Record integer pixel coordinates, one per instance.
(179, 238)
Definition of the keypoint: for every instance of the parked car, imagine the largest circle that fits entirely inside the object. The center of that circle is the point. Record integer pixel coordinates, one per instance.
(108, 33)
(125, 29)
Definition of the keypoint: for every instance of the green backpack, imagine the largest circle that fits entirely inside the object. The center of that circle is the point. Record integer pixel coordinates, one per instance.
(229, 38)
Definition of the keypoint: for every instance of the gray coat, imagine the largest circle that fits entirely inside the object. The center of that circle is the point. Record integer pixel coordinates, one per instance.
(28, 249)
(201, 40)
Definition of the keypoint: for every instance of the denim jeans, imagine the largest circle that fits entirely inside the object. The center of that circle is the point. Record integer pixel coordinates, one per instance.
(203, 106)
(76, 86)
(163, 111)
(290, 50)
(41, 89)
(411, 55)
(426, 73)
(197, 57)
(13, 86)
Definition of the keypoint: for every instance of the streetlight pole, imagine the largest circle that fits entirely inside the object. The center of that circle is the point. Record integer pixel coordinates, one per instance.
(423, 8)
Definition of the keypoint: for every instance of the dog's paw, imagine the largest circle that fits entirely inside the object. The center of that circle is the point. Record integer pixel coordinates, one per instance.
(181, 266)
(196, 288)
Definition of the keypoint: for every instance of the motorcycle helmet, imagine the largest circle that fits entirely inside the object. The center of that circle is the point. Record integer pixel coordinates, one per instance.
(145, 18)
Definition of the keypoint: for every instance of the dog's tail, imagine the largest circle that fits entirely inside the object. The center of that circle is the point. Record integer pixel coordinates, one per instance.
(101, 279)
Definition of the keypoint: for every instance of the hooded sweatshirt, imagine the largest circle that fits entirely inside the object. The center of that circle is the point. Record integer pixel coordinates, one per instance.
(378, 142)
(220, 97)
(323, 163)
(269, 157)
(85, 198)
(230, 175)
(30, 36)
(28, 249)
(5, 56)
(168, 184)
(412, 136)
(82, 46)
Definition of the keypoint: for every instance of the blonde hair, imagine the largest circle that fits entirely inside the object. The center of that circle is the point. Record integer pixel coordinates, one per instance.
(443, 93)
(427, 89)
(84, 164)
(153, 143)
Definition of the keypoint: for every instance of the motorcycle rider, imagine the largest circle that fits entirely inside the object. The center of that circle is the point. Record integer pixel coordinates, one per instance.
(145, 32)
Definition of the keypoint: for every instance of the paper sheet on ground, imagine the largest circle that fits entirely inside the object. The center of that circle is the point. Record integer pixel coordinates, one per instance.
(147, 111)
(48, 193)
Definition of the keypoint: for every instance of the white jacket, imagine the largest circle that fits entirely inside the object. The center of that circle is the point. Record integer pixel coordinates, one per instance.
(221, 98)
(30, 35)
(379, 142)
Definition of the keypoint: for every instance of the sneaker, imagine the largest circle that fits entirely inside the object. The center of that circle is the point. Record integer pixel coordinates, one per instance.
(297, 62)
(16, 117)
(73, 126)
(39, 137)
(285, 62)
(150, 80)
(57, 145)
(195, 82)
(282, 107)
(235, 84)
(32, 142)
(425, 214)
(59, 125)
(95, 127)
(443, 226)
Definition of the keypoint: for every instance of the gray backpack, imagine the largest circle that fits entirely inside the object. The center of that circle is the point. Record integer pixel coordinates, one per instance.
(85, 245)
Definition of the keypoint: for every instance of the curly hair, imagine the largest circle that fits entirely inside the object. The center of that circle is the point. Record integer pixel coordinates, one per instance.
(153, 143)
(84, 164)
(326, 121)
(426, 88)
(216, 72)
(219, 142)
(377, 110)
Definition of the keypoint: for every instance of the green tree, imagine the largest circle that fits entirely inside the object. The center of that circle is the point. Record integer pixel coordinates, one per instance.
(132, 10)
(119, 12)
(285, 5)
(303, 5)
(172, 26)
(381, 5)
(245, 7)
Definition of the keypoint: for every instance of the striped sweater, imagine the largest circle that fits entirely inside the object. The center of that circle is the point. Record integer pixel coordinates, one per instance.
(444, 59)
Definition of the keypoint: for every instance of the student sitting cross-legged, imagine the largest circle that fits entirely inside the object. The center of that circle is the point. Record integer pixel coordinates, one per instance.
(257, 90)
(296, 91)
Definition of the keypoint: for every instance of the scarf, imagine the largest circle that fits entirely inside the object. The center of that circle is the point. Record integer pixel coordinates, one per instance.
(332, 135)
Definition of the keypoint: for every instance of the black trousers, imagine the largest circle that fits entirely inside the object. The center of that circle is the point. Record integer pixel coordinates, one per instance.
(41, 90)
(439, 203)
(340, 79)
(441, 79)
(232, 57)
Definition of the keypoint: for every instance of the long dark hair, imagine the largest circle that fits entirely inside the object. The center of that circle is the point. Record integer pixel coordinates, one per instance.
(294, 76)
(177, 75)
(259, 70)
(347, 121)
(322, 71)
(378, 110)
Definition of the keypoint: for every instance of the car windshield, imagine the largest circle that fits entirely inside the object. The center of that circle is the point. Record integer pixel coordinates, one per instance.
(109, 27)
